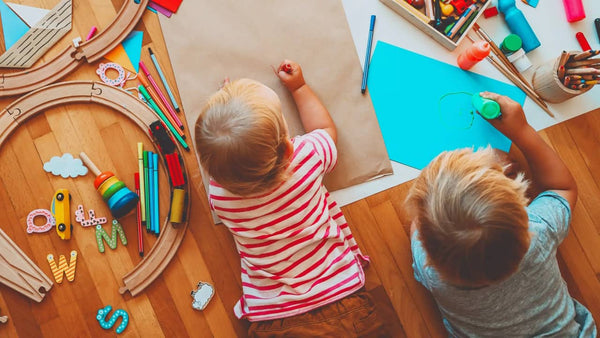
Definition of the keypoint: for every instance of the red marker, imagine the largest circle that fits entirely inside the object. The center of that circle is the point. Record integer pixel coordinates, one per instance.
(582, 41)
(287, 68)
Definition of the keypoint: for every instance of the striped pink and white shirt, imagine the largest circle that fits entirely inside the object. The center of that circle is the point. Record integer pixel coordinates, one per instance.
(297, 252)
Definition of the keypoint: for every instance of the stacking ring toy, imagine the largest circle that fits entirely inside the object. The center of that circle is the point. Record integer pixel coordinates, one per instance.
(120, 199)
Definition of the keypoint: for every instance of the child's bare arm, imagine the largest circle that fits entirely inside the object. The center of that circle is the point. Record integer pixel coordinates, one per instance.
(313, 113)
(548, 171)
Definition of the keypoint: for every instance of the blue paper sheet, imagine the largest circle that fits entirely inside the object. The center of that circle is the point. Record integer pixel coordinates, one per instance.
(406, 89)
(14, 28)
(133, 47)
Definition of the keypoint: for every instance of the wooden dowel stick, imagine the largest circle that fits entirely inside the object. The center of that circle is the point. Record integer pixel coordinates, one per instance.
(496, 50)
(88, 163)
(520, 84)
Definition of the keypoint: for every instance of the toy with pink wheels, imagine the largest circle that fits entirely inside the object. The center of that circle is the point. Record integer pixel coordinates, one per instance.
(120, 199)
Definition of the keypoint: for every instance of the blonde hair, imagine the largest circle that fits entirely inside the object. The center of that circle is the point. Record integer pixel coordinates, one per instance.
(241, 138)
(471, 217)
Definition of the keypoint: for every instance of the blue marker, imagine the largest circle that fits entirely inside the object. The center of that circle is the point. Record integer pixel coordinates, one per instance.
(363, 87)
(163, 79)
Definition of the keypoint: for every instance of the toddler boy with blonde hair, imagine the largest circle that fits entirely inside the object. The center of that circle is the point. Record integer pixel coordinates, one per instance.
(301, 268)
(485, 253)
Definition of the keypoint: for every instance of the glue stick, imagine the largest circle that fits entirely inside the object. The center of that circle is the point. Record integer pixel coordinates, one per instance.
(574, 10)
(475, 53)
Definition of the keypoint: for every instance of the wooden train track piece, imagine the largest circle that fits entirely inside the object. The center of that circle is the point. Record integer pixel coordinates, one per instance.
(62, 93)
(19, 272)
(43, 35)
(72, 57)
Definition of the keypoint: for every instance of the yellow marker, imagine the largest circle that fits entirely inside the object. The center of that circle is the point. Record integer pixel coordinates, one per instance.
(140, 146)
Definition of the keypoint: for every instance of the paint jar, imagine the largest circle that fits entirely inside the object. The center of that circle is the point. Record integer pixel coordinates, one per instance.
(518, 24)
(475, 53)
(549, 86)
(511, 44)
(520, 60)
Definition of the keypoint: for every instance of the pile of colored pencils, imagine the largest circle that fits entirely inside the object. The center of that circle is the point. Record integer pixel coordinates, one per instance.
(579, 70)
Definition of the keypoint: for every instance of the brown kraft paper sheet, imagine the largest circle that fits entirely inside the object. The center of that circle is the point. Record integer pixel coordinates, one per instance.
(208, 40)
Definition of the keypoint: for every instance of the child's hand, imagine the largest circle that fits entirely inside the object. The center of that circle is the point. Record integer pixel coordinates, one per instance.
(290, 73)
(513, 120)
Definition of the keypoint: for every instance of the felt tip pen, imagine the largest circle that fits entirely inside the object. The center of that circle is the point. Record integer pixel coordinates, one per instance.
(136, 177)
(156, 194)
(163, 79)
(159, 104)
(163, 117)
(142, 193)
(160, 94)
(363, 86)
(148, 191)
(151, 189)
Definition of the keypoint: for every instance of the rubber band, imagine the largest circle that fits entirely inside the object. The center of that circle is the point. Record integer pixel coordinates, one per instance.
(50, 221)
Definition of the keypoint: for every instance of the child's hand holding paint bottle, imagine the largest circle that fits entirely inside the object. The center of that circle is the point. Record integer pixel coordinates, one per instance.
(513, 122)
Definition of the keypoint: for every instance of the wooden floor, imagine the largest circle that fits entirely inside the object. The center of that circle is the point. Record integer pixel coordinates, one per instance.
(207, 252)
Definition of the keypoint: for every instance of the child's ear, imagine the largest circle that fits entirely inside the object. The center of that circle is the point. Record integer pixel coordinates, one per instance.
(289, 148)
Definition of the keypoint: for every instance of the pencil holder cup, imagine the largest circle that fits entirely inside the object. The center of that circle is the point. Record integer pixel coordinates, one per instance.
(549, 87)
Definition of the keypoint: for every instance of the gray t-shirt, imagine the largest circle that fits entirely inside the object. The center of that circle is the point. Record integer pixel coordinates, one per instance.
(532, 302)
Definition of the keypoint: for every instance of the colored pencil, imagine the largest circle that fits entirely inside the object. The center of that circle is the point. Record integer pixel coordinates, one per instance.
(136, 177)
(163, 79)
(363, 86)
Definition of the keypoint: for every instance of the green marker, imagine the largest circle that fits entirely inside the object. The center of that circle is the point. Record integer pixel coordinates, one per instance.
(162, 116)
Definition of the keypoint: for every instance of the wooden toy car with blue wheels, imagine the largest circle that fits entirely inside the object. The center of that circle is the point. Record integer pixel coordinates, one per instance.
(62, 213)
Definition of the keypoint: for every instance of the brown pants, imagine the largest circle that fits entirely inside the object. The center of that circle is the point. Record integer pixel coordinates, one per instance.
(352, 316)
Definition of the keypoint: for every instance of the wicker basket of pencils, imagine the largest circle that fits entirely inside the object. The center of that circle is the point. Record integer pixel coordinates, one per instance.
(571, 74)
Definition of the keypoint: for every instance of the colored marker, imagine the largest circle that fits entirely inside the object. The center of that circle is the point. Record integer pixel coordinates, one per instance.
(156, 194)
(160, 105)
(142, 194)
(147, 196)
(162, 116)
(160, 94)
(363, 86)
(163, 79)
(136, 177)
(150, 218)
(585, 45)
(597, 24)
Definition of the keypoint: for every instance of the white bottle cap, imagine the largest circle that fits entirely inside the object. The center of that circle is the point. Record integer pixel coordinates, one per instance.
(520, 60)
